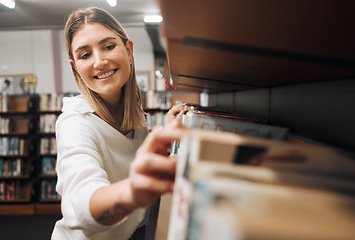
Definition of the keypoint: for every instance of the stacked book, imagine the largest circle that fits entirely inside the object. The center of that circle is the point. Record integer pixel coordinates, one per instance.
(13, 146)
(219, 121)
(11, 167)
(231, 187)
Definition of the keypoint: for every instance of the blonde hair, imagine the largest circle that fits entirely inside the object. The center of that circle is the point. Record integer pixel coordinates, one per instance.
(133, 114)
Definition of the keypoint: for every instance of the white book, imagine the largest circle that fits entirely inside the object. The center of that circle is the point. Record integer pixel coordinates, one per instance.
(235, 208)
(206, 154)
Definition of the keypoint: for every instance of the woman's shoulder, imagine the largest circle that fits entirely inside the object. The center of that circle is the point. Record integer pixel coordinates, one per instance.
(76, 114)
(76, 104)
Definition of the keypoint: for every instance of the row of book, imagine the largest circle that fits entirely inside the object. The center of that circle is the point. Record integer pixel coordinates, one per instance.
(4, 103)
(53, 101)
(12, 167)
(47, 123)
(48, 190)
(48, 146)
(13, 146)
(210, 120)
(156, 119)
(230, 186)
(157, 99)
(5, 125)
(48, 166)
(9, 190)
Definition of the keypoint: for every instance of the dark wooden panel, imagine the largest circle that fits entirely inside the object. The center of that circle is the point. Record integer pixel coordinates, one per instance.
(253, 103)
(310, 27)
(321, 111)
(209, 85)
(246, 69)
(259, 43)
(227, 101)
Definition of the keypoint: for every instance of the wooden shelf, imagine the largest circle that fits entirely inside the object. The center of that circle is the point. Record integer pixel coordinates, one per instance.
(46, 134)
(2, 177)
(15, 113)
(234, 45)
(49, 200)
(17, 209)
(42, 176)
(47, 208)
(30, 209)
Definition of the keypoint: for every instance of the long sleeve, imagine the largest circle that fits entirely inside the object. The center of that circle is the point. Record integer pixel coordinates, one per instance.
(91, 154)
(80, 172)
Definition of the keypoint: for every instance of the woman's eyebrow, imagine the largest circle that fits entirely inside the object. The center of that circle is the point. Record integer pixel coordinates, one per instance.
(100, 42)
(106, 39)
(81, 48)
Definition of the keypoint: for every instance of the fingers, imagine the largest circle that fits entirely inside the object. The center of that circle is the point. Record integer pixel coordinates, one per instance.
(180, 109)
(160, 140)
(158, 186)
(155, 164)
(151, 175)
(177, 108)
(146, 189)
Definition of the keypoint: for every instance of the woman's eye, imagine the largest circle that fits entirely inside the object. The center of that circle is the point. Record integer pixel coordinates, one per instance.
(85, 56)
(110, 47)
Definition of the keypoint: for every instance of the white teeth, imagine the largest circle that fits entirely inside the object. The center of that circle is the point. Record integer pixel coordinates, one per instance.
(105, 75)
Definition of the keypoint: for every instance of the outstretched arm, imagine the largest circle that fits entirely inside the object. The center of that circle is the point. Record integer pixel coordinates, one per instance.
(151, 174)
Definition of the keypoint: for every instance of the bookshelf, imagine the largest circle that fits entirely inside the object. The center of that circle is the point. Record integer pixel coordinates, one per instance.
(17, 151)
(287, 63)
(47, 155)
(28, 154)
(49, 108)
(156, 117)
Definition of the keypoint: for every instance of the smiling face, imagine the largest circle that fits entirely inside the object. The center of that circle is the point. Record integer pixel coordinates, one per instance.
(102, 60)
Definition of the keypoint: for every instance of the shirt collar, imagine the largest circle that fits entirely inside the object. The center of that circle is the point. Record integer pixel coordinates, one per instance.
(77, 104)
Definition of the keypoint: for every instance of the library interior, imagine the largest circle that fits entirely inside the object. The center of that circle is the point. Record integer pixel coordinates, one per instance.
(269, 87)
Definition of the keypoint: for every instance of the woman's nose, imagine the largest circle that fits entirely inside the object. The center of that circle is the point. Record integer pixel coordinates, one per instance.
(100, 61)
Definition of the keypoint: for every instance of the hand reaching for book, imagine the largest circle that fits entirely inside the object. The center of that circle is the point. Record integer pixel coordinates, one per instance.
(176, 110)
(152, 173)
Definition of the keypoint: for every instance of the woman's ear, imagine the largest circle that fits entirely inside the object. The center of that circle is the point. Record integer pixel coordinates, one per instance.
(72, 64)
(129, 47)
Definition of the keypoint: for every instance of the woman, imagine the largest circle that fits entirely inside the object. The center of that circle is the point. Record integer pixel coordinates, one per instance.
(108, 171)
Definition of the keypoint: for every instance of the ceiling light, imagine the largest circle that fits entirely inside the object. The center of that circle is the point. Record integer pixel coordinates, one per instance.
(153, 19)
(112, 3)
(8, 3)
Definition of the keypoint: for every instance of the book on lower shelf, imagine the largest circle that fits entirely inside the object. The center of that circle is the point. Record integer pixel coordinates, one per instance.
(15, 167)
(15, 191)
(48, 166)
(235, 187)
(47, 123)
(48, 192)
(48, 146)
(14, 146)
